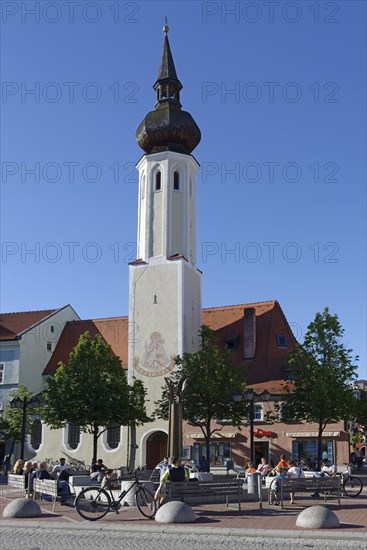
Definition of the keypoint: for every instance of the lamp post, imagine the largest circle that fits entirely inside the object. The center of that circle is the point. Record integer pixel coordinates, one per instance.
(18, 403)
(251, 397)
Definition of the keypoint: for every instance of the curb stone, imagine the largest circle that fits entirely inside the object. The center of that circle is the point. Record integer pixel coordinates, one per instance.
(171, 529)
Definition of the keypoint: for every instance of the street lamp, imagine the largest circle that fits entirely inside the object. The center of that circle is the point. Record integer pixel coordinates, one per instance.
(251, 397)
(18, 403)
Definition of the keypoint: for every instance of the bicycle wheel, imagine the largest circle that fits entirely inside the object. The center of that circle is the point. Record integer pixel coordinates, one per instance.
(352, 486)
(93, 503)
(145, 502)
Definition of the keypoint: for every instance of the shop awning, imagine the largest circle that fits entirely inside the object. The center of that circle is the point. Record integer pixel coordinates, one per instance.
(312, 434)
(216, 435)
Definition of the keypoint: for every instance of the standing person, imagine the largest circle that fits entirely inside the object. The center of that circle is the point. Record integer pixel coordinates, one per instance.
(27, 472)
(163, 466)
(294, 471)
(174, 473)
(358, 458)
(6, 466)
(98, 470)
(275, 486)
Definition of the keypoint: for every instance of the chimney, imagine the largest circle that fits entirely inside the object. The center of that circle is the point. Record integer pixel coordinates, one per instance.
(249, 346)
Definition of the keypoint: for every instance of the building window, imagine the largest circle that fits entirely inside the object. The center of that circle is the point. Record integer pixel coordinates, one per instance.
(282, 341)
(158, 181)
(49, 346)
(305, 452)
(2, 373)
(73, 436)
(36, 435)
(113, 437)
(176, 181)
(258, 412)
(52, 328)
(230, 345)
(220, 453)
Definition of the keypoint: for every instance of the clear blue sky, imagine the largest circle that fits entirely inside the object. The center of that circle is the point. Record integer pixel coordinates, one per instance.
(278, 92)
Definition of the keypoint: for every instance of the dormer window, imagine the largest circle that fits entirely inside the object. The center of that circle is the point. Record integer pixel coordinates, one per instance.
(176, 181)
(230, 345)
(158, 181)
(282, 341)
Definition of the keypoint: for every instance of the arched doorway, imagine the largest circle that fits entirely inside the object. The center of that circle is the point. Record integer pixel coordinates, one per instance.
(156, 448)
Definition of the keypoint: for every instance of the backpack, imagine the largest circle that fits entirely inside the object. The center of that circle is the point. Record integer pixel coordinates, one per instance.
(177, 474)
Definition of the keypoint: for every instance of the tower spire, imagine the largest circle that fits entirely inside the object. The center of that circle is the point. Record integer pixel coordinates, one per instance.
(168, 128)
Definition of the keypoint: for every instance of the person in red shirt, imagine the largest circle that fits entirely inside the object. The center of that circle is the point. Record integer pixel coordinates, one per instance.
(282, 462)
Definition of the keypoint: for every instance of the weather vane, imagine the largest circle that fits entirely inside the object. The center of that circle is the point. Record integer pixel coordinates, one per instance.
(166, 27)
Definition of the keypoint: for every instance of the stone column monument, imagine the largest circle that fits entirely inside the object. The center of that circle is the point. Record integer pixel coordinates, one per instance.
(175, 398)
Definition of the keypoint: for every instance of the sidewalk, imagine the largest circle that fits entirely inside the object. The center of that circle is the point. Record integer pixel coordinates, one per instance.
(213, 518)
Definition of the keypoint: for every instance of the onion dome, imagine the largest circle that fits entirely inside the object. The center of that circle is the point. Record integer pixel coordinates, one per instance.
(168, 128)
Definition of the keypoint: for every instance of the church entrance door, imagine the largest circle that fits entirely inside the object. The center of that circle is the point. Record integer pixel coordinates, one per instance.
(157, 444)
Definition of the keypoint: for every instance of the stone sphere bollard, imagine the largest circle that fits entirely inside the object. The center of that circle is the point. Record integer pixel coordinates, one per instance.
(22, 508)
(318, 517)
(175, 512)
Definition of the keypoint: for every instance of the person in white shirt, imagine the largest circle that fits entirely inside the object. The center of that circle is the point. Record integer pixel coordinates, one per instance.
(327, 468)
(294, 471)
(61, 469)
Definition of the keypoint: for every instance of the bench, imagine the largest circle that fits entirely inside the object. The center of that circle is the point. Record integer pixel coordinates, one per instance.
(18, 482)
(196, 490)
(46, 487)
(321, 485)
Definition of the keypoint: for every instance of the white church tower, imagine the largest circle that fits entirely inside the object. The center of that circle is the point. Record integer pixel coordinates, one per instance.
(164, 282)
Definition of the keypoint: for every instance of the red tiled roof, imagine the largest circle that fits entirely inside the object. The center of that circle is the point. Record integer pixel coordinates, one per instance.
(228, 322)
(14, 324)
(114, 330)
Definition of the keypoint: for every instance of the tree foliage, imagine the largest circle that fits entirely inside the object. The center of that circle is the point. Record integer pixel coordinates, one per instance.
(11, 422)
(211, 383)
(322, 376)
(92, 391)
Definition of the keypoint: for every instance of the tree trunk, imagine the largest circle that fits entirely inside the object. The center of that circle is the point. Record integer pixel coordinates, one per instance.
(207, 445)
(319, 445)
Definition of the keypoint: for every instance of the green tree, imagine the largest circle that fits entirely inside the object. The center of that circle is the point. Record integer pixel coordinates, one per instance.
(322, 376)
(211, 383)
(92, 391)
(12, 419)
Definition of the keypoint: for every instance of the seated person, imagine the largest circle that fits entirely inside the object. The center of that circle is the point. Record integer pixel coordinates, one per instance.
(18, 467)
(264, 468)
(203, 465)
(327, 468)
(62, 486)
(250, 468)
(61, 470)
(98, 470)
(110, 480)
(282, 462)
(275, 486)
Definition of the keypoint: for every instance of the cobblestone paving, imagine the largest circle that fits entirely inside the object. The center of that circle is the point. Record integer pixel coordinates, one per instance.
(13, 538)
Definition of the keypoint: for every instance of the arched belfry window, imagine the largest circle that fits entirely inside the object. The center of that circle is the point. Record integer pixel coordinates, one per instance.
(158, 181)
(176, 181)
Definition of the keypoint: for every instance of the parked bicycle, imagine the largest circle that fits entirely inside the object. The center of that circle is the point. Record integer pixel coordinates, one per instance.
(351, 485)
(94, 503)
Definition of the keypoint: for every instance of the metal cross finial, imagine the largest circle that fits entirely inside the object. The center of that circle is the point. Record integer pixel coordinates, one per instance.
(166, 27)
